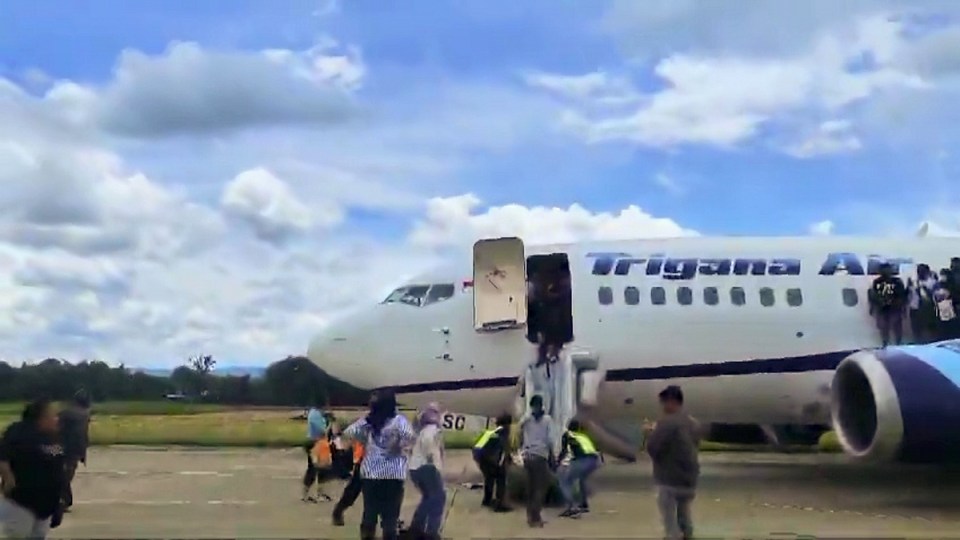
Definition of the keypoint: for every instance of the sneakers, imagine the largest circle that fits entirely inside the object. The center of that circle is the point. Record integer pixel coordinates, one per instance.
(502, 509)
(337, 518)
(570, 513)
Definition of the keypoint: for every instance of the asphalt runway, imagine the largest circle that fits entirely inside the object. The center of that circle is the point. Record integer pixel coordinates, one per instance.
(181, 493)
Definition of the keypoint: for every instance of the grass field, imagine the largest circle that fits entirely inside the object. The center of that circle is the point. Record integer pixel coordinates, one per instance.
(136, 407)
(191, 424)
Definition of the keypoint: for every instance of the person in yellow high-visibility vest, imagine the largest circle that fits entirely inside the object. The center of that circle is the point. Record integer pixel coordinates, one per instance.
(584, 459)
(491, 452)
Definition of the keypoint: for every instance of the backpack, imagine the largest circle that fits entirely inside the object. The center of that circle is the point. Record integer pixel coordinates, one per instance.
(945, 311)
(322, 453)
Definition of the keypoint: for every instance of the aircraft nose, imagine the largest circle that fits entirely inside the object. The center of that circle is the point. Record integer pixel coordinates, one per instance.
(338, 351)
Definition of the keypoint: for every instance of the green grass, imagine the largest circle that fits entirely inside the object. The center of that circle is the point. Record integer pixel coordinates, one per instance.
(190, 424)
(134, 408)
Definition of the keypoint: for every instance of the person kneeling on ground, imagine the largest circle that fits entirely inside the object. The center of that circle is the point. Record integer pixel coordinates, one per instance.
(426, 472)
(673, 447)
(492, 454)
(32, 473)
(584, 460)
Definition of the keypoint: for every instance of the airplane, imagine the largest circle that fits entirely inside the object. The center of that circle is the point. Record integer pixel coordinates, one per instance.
(768, 331)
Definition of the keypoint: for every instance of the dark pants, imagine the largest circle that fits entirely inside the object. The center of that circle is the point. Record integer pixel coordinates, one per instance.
(890, 320)
(494, 480)
(381, 502)
(70, 470)
(311, 474)
(350, 492)
(428, 516)
(538, 480)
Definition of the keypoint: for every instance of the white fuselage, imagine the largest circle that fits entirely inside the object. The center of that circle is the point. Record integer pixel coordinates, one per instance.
(749, 363)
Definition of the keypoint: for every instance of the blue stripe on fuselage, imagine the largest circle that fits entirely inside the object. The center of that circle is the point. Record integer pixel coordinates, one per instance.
(797, 364)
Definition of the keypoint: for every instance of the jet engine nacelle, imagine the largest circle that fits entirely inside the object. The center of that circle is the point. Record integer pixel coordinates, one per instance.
(899, 404)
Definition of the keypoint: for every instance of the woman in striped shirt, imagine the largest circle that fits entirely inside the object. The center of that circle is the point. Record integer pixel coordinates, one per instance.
(386, 436)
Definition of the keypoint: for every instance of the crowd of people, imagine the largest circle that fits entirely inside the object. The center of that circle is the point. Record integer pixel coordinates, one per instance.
(39, 456)
(397, 450)
(930, 300)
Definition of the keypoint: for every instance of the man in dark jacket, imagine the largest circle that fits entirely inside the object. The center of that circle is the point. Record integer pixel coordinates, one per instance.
(673, 446)
(888, 300)
(31, 474)
(75, 437)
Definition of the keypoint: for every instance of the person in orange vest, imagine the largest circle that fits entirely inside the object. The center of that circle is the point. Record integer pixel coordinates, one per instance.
(352, 490)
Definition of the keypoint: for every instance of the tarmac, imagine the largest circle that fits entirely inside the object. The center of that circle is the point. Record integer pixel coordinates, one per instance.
(186, 493)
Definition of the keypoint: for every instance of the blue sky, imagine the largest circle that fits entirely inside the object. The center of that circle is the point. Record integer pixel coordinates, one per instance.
(199, 174)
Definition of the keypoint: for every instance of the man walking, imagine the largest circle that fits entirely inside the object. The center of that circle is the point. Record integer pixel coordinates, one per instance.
(673, 447)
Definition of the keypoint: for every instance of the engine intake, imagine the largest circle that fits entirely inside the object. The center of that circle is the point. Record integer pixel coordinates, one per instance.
(898, 404)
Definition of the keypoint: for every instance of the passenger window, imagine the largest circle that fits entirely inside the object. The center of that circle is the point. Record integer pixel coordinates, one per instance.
(711, 296)
(631, 295)
(794, 297)
(605, 296)
(738, 296)
(766, 297)
(685, 296)
(439, 293)
(658, 296)
(850, 297)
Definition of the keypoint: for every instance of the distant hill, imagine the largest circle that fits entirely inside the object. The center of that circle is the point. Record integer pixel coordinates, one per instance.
(255, 372)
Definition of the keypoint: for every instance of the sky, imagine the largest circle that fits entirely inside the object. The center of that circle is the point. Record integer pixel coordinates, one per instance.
(229, 176)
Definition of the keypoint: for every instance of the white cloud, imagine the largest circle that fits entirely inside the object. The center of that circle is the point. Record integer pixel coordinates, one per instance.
(727, 98)
(267, 203)
(822, 228)
(831, 137)
(453, 221)
(598, 86)
(188, 90)
(669, 184)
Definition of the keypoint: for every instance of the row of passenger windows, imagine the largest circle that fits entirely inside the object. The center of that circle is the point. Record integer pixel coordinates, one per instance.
(711, 296)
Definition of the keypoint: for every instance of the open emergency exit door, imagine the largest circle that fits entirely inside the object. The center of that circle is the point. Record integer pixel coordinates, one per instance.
(499, 284)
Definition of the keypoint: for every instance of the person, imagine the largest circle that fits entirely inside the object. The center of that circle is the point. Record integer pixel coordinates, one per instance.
(386, 436)
(536, 447)
(922, 307)
(673, 446)
(317, 437)
(75, 436)
(32, 473)
(542, 371)
(426, 473)
(584, 459)
(491, 453)
(887, 301)
(946, 311)
(352, 490)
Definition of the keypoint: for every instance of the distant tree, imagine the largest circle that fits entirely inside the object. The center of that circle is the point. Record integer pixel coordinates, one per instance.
(202, 363)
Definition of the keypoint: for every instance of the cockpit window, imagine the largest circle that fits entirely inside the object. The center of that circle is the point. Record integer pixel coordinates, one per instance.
(440, 292)
(421, 295)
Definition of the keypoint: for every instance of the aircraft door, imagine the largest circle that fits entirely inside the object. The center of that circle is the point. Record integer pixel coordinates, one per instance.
(499, 284)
